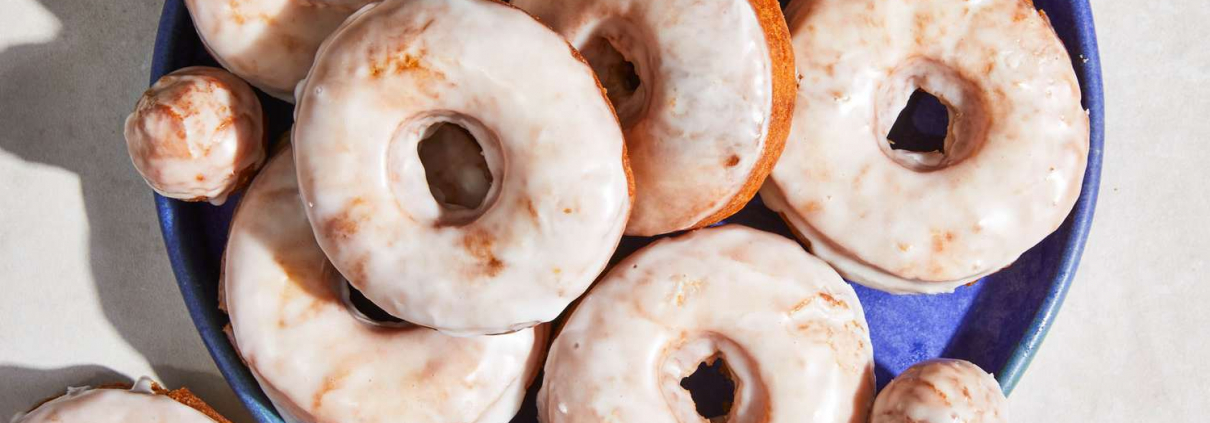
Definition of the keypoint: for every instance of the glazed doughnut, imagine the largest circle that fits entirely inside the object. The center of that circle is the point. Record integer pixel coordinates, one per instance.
(704, 91)
(941, 391)
(1012, 162)
(791, 331)
(270, 43)
(397, 73)
(320, 361)
(145, 401)
(197, 135)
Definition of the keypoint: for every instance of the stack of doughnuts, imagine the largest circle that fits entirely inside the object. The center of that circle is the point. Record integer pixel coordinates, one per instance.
(468, 169)
(286, 301)
(386, 81)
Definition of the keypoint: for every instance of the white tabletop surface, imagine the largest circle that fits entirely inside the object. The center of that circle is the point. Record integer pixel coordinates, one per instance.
(89, 296)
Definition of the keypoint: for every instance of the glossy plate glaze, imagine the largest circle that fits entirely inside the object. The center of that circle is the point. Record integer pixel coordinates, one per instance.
(997, 323)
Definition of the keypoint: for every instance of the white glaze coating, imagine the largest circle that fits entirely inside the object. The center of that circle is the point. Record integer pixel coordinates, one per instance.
(270, 43)
(322, 363)
(138, 404)
(197, 134)
(1017, 144)
(941, 391)
(791, 331)
(703, 108)
(560, 196)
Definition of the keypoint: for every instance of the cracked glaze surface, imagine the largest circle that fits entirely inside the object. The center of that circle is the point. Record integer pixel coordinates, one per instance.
(270, 43)
(902, 222)
(941, 391)
(791, 331)
(322, 364)
(197, 134)
(711, 111)
(560, 196)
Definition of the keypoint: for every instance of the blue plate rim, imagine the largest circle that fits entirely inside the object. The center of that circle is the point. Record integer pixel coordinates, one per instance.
(183, 256)
(1082, 213)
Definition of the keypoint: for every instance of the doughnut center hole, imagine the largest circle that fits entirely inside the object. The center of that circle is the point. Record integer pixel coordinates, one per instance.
(712, 387)
(618, 75)
(922, 125)
(361, 307)
(368, 309)
(455, 169)
(929, 116)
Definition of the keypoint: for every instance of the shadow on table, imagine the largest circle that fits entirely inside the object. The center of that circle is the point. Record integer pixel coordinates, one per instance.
(24, 387)
(61, 106)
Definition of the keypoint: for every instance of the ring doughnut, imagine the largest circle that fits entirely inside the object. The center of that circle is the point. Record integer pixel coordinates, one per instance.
(392, 77)
(285, 304)
(197, 135)
(145, 401)
(270, 43)
(791, 331)
(704, 91)
(1012, 162)
(941, 391)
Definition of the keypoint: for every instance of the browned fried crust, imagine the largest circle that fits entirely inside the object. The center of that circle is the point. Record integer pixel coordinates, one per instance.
(184, 396)
(181, 395)
(785, 89)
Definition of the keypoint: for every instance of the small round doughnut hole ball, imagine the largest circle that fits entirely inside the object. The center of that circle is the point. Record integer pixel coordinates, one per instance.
(197, 135)
(941, 391)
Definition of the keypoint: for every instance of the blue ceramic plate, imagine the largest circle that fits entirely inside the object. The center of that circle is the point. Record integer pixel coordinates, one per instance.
(998, 323)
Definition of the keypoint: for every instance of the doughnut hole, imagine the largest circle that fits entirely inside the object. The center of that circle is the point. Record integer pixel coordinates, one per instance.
(451, 158)
(611, 56)
(921, 126)
(196, 135)
(701, 376)
(712, 389)
(361, 307)
(929, 117)
(454, 167)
